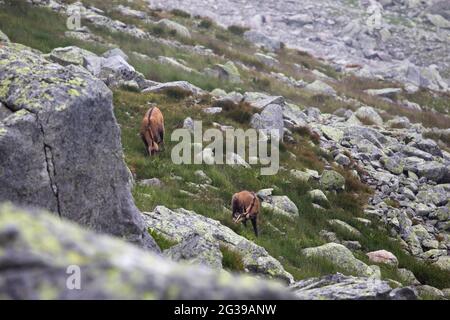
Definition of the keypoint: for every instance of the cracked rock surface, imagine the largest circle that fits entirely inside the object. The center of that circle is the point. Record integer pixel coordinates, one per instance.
(60, 145)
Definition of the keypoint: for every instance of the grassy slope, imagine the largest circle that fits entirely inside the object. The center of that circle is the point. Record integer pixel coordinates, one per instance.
(44, 30)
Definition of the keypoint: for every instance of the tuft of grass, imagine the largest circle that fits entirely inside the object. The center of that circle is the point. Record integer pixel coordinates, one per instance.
(237, 30)
(161, 241)
(232, 260)
(180, 13)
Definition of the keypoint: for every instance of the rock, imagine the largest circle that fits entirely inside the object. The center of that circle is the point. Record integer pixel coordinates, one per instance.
(118, 67)
(443, 262)
(332, 180)
(260, 100)
(182, 88)
(266, 59)
(399, 123)
(368, 115)
(332, 133)
(197, 250)
(343, 160)
(41, 247)
(394, 164)
(414, 152)
(407, 277)
(4, 112)
(178, 225)
(174, 63)
(318, 196)
(340, 287)
(344, 226)
(271, 118)
(386, 92)
(301, 175)
(262, 40)
(212, 110)
(428, 146)
(299, 20)
(446, 293)
(126, 11)
(3, 37)
(79, 175)
(153, 182)
(383, 257)
(429, 293)
(352, 245)
(227, 72)
(436, 195)
(180, 30)
(432, 170)
(438, 21)
(279, 205)
(219, 93)
(188, 123)
(341, 257)
(320, 87)
(70, 55)
(203, 177)
(235, 159)
(115, 52)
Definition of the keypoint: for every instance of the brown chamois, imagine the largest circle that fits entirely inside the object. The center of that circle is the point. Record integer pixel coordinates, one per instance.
(152, 131)
(246, 206)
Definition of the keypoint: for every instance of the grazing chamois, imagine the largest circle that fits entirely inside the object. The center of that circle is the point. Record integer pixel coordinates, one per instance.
(246, 206)
(152, 130)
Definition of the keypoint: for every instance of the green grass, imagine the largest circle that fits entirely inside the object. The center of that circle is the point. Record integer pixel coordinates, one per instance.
(283, 238)
(44, 30)
(162, 242)
(231, 260)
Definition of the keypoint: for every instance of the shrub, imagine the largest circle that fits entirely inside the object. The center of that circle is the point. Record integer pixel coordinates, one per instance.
(237, 30)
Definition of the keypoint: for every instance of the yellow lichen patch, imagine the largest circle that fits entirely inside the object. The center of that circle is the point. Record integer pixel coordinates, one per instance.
(2, 131)
(23, 70)
(4, 87)
(61, 107)
(47, 292)
(77, 82)
(74, 93)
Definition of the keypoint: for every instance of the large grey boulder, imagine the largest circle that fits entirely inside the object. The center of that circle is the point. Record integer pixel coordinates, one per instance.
(368, 115)
(332, 180)
(170, 25)
(341, 257)
(429, 146)
(320, 87)
(38, 248)
(432, 170)
(340, 287)
(197, 250)
(183, 88)
(61, 148)
(179, 225)
(263, 40)
(271, 118)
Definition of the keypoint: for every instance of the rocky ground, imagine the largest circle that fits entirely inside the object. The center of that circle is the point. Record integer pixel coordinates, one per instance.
(359, 210)
(407, 41)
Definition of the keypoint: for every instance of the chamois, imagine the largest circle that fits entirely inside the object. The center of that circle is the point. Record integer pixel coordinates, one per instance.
(246, 206)
(152, 131)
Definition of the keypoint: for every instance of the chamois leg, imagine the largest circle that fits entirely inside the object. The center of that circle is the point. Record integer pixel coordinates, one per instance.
(147, 151)
(255, 225)
(161, 141)
(244, 222)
